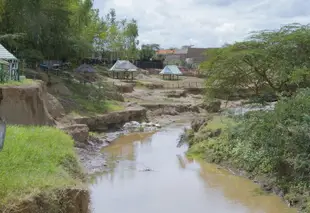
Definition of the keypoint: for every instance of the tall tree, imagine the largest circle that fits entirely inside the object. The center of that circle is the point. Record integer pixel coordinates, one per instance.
(147, 51)
(277, 59)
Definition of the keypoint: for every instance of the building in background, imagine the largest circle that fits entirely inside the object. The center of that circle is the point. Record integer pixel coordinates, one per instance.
(13, 63)
(187, 58)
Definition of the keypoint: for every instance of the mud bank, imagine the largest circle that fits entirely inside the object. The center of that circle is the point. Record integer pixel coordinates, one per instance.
(146, 167)
(25, 104)
(201, 149)
(91, 157)
(112, 120)
(263, 182)
(72, 200)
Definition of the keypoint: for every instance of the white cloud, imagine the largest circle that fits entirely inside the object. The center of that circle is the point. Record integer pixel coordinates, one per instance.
(205, 23)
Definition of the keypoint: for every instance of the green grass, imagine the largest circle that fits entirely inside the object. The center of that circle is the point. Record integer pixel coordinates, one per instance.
(36, 159)
(18, 83)
(219, 122)
(113, 106)
(97, 105)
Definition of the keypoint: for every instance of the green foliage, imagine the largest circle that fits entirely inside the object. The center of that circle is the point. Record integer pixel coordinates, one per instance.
(274, 144)
(39, 29)
(276, 60)
(35, 159)
(118, 38)
(18, 83)
(147, 51)
(4, 77)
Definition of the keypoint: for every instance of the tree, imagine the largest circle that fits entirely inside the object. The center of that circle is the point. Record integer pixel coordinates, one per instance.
(55, 29)
(148, 51)
(277, 60)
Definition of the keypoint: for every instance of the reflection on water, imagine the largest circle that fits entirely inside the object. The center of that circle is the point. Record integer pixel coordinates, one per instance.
(176, 184)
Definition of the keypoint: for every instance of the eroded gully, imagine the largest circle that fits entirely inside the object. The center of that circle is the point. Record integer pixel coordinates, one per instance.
(148, 173)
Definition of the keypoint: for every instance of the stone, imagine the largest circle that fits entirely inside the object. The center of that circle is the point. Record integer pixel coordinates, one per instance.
(150, 124)
(157, 125)
(131, 125)
(79, 132)
(97, 139)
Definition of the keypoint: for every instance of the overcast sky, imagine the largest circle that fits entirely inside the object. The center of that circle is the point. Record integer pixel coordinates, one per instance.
(205, 23)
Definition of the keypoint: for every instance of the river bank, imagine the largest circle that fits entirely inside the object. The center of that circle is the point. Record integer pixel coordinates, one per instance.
(147, 172)
(37, 175)
(95, 161)
(90, 131)
(258, 146)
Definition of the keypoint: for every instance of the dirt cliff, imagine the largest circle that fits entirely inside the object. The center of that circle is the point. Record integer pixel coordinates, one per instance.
(25, 104)
(113, 119)
(65, 200)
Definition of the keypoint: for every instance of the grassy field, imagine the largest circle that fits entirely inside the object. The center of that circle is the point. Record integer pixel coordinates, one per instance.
(36, 159)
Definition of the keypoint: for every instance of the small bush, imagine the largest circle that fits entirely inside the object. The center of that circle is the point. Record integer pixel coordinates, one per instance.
(274, 144)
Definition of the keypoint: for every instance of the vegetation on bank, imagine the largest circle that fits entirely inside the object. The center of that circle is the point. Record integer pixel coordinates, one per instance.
(65, 30)
(68, 30)
(268, 63)
(92, 99)
(36, 160)
(18, 83)
(273, 145)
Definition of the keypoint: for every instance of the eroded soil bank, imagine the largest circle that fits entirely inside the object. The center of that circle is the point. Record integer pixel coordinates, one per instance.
(65, 200)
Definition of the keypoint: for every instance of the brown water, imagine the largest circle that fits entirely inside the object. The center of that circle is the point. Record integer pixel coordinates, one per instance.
(177, 185)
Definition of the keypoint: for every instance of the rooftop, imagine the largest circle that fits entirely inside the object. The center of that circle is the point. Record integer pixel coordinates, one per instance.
(171, 70)
(165, 52)
(5, 54)
(123, 65)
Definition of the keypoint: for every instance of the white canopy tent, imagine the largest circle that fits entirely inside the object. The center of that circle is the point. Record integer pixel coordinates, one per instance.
(123, 69)
(171, 70)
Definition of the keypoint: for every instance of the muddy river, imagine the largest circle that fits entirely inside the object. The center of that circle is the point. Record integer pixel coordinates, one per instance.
(174, 184)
